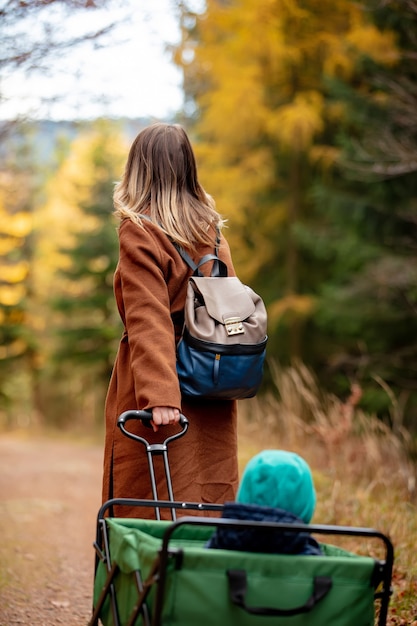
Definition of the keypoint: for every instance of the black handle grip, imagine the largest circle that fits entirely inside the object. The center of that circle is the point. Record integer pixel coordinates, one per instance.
(146, 417)
(238, 589)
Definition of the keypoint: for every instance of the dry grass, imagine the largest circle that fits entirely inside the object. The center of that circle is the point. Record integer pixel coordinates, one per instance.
(362, 469)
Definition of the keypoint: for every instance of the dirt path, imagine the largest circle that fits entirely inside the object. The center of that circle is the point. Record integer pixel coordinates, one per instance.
(49, 497)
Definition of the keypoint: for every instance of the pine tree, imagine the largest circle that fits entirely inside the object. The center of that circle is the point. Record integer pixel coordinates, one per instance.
(89, 327)
(368, 306)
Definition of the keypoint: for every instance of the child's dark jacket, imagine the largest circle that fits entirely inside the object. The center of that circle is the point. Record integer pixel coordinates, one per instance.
(262, 540)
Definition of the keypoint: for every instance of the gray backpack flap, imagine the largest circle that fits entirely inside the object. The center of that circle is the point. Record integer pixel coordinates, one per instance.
(222, 349)
(224, 311)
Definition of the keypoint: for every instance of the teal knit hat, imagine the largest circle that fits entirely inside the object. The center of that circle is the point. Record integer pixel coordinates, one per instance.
(279, 479)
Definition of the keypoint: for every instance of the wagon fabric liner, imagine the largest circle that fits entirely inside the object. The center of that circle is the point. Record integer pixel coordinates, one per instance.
(182, 583)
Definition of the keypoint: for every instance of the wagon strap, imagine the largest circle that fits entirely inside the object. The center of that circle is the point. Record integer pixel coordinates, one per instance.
(238, 589)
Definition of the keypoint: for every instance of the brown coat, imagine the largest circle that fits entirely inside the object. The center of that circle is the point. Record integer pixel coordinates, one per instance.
(150, 286)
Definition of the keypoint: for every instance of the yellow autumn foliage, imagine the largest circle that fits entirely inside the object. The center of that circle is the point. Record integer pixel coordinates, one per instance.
(296, 124)
(8, 244)
(256, 70)
(12, 295)
(15, 225)
(13, 349)
(294, 305)
(14, 273)
(380, 46)
(324, 155)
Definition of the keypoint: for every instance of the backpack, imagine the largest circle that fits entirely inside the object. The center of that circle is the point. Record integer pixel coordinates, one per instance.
(221, 353)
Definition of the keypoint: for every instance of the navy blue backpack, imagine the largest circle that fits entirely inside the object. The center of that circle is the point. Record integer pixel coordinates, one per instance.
(222, 349)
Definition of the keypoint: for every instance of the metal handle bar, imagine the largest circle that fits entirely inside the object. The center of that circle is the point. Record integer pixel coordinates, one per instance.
(153, 449)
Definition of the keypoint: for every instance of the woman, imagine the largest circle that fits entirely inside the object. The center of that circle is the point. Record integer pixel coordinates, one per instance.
(160, 200)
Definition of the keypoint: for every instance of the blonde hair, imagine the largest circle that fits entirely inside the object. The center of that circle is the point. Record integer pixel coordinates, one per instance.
(160, 180)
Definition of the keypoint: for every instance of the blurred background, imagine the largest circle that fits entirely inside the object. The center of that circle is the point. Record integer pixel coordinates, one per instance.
(304, 120)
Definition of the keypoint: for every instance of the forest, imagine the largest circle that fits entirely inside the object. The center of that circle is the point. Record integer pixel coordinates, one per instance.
(304, 121)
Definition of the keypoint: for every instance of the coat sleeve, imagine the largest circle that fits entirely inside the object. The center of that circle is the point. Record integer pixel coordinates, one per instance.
(148, 321)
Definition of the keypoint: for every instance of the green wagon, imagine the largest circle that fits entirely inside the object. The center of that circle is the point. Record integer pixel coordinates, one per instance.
(159, 573)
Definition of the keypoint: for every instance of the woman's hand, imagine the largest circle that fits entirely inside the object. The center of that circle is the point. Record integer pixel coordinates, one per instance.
(164, 416)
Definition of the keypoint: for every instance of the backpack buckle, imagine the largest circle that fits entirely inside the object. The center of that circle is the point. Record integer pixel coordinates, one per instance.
(234, 326)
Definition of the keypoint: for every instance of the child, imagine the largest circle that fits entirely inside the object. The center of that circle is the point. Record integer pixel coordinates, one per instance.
(276, 486)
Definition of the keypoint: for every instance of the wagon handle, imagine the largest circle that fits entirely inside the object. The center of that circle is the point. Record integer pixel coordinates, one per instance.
(146, 417)
(238, 588)
(154, 449)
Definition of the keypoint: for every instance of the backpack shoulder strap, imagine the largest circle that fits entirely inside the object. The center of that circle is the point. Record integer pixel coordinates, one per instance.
(219, 267)
(186, 257)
